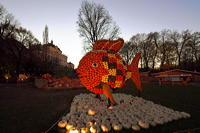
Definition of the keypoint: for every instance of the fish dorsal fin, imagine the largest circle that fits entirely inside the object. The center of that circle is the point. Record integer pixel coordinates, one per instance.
(108, 45)
(100, 44)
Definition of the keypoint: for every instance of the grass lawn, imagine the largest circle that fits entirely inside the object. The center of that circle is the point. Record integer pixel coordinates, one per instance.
(26, 109)
(177, 97)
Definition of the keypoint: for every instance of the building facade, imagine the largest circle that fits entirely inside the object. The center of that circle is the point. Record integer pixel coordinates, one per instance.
(51, 53)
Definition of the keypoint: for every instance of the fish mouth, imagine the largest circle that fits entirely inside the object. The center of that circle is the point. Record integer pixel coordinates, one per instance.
(81, 75)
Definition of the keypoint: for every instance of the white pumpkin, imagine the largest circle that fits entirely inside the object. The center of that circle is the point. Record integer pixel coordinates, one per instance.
(135, 127)
(90, 123)
(104, 128)
(117, 127)
(143, 124)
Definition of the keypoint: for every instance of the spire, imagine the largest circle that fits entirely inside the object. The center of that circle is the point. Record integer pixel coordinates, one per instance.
(46, 35)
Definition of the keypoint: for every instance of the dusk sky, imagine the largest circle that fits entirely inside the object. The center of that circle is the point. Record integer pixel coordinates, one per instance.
(132, 16)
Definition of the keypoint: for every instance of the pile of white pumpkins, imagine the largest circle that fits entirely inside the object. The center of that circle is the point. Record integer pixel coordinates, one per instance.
(89, 114)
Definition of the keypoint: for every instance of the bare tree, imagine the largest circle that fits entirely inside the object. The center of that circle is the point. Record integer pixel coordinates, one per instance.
(25, 37)
(194, 43)
(18, 46)
(146, 48)
(139, 43)
(153, 40)
(7, 23)
(16, 42)
(179, 41)
(130, 48)
(127, 51)
(166, 48)
(46, 35)
(164, 35)
(95, 23)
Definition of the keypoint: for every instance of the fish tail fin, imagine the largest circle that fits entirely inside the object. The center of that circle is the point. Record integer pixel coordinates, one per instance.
(135, 76)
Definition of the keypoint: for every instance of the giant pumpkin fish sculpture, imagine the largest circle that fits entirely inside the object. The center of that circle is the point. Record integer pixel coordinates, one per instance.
(103, 69)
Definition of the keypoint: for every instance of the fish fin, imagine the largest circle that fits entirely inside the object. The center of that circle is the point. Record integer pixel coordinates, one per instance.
(109, 45)
(116, 45)
(108, 94)
(100, 44)
(135, 76)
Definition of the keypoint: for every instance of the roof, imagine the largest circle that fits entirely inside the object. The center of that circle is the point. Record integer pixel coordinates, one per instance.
(181, 75)
(52, 45)
(174, 70)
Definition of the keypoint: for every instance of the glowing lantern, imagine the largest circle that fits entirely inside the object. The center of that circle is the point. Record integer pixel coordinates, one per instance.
(143, 124)
(47, 76)
(7, 76)
(74, 130)
(91, 112)
(68, 126)
(22, 77)
(62, 124)
(84, 130)
(117, 127)
(93, 130)
(110, 107)
(104, 128)
(135, 127)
